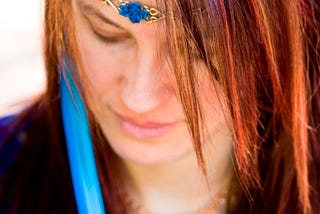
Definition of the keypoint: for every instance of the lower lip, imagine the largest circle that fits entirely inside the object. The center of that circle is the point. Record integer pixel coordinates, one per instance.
(144, 132)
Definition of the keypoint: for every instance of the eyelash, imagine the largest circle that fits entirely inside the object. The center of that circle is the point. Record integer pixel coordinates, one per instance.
(107, 39)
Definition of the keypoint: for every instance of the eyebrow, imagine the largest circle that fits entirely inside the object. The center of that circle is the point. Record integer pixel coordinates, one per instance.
(90, 9)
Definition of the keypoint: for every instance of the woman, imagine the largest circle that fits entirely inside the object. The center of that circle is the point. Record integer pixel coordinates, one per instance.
(190, 106)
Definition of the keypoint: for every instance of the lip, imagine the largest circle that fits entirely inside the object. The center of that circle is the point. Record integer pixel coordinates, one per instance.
(143, 129)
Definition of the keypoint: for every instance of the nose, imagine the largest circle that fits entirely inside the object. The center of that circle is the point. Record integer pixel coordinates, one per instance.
(143, 86)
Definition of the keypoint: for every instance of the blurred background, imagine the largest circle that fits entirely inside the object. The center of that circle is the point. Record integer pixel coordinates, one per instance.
(21, 64)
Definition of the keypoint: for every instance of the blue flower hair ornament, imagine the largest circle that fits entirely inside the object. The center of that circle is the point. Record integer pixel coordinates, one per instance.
(134, 12)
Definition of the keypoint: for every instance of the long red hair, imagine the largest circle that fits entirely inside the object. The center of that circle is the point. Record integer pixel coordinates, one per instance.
(265, 55)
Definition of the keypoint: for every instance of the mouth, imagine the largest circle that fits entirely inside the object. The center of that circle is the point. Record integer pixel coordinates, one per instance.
(143, 129)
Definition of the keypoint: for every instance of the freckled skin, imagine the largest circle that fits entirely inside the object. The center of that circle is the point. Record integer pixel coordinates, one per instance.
(128, 78)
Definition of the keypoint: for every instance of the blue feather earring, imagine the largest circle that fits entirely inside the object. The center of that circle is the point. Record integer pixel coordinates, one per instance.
(80, 149)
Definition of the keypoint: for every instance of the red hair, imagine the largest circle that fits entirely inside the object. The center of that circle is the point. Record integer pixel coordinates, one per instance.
(264, 54)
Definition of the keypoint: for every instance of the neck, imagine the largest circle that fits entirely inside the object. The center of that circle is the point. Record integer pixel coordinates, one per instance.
(179, 186)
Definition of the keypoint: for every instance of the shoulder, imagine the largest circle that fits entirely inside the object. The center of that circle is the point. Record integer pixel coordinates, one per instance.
(11, 141)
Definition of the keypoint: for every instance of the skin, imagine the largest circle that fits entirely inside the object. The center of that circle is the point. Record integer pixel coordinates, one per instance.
(127, 77)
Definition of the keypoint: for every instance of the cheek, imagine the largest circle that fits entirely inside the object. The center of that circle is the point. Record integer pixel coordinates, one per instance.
(97, 65)
(100, 69)
(213, 101)
(214, 106)
(103, 64)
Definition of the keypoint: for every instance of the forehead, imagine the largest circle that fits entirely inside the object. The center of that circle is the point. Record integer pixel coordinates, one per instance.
(105, 12)
(100, 13)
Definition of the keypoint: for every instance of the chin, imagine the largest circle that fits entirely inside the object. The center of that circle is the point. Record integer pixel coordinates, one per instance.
(150, 152)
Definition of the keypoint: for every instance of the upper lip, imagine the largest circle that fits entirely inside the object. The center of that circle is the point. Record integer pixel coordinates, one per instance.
(143, 122)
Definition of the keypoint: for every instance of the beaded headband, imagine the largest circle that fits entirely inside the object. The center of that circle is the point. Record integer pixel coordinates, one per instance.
(135, 11)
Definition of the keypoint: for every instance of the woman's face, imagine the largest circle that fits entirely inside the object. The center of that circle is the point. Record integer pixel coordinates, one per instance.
(133, 93)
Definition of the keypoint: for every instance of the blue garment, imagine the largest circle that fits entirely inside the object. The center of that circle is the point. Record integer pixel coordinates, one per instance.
(24, 156)
(10, 148)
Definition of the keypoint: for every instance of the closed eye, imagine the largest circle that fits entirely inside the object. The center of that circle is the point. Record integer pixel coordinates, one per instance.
(103, 28)
(110, 39)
